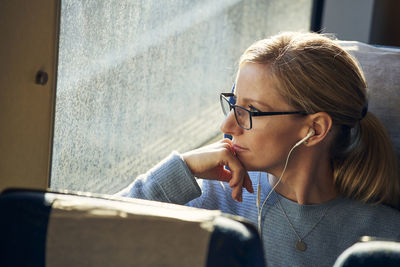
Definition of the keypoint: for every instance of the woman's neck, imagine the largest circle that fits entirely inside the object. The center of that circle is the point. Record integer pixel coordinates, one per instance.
(307, 181)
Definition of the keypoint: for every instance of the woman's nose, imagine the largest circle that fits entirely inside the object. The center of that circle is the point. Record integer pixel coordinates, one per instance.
(230, 126)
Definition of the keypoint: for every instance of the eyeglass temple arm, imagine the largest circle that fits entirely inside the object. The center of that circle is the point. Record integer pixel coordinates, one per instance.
(230, 95)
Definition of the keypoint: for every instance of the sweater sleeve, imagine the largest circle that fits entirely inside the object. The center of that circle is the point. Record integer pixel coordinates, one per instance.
(169, 181)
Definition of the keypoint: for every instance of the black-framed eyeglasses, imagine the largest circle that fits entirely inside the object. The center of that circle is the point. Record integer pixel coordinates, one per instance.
(244, 116)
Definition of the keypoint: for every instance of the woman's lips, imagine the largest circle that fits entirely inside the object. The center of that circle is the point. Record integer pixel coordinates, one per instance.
(237, 148)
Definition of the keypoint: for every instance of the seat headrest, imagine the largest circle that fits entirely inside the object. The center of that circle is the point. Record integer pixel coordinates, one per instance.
(381, 67)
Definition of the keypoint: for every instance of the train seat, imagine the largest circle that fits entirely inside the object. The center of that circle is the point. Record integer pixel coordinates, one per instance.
(381, 66)
(59, 229)
(370, 252)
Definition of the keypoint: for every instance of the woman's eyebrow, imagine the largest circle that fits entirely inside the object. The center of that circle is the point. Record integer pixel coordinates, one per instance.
(250, 100)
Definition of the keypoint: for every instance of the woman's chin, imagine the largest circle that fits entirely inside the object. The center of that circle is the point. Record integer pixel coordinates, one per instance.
(247, 164)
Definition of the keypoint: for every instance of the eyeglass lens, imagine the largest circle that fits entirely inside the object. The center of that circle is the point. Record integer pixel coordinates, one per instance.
(242, 116)
(226, 107)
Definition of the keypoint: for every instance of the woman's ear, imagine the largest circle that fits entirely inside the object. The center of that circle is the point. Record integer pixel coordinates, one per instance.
(321, 123)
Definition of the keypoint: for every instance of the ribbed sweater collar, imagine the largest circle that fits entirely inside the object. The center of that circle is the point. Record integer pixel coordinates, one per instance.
(293, 209)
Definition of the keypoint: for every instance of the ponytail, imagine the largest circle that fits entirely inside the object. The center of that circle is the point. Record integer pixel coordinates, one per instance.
(365, 164)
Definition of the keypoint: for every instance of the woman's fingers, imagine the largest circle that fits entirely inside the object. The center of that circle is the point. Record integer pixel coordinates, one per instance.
(237, 193)
(209, 163)
(226, 176)
(248, 184)
(239, 176)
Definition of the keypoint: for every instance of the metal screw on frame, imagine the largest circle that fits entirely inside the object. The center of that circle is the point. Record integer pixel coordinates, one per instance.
(41, 77)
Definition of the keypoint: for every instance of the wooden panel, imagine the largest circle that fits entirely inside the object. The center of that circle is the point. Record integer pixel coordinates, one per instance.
(29, 43)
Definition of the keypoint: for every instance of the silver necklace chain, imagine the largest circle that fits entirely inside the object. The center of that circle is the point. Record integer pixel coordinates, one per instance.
(300, 245)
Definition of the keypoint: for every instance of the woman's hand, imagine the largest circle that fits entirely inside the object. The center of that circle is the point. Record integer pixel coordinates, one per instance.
(209, 163)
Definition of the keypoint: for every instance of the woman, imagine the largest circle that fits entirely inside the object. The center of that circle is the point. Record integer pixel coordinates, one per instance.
(322, 164)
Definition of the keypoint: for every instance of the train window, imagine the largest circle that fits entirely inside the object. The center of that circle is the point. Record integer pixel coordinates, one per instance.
(138, 79)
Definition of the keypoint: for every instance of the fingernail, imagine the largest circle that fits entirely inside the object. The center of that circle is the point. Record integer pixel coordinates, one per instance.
(250, 190)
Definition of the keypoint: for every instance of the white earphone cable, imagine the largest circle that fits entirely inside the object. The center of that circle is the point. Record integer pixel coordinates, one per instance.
(279, 180)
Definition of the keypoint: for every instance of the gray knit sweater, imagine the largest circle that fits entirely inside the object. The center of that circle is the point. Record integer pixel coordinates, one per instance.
(343, 221)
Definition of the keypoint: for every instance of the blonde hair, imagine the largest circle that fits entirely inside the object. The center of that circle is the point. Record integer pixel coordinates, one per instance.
(316, 75)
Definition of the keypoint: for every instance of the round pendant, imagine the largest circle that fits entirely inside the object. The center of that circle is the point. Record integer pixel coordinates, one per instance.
(301, 246)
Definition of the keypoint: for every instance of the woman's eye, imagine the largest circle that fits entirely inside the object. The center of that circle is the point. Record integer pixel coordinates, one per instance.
(253, 109)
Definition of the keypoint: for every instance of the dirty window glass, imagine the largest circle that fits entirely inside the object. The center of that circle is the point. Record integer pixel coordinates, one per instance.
(138, 79)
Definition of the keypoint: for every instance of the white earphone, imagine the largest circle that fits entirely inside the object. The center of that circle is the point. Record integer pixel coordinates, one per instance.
(310, 133)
